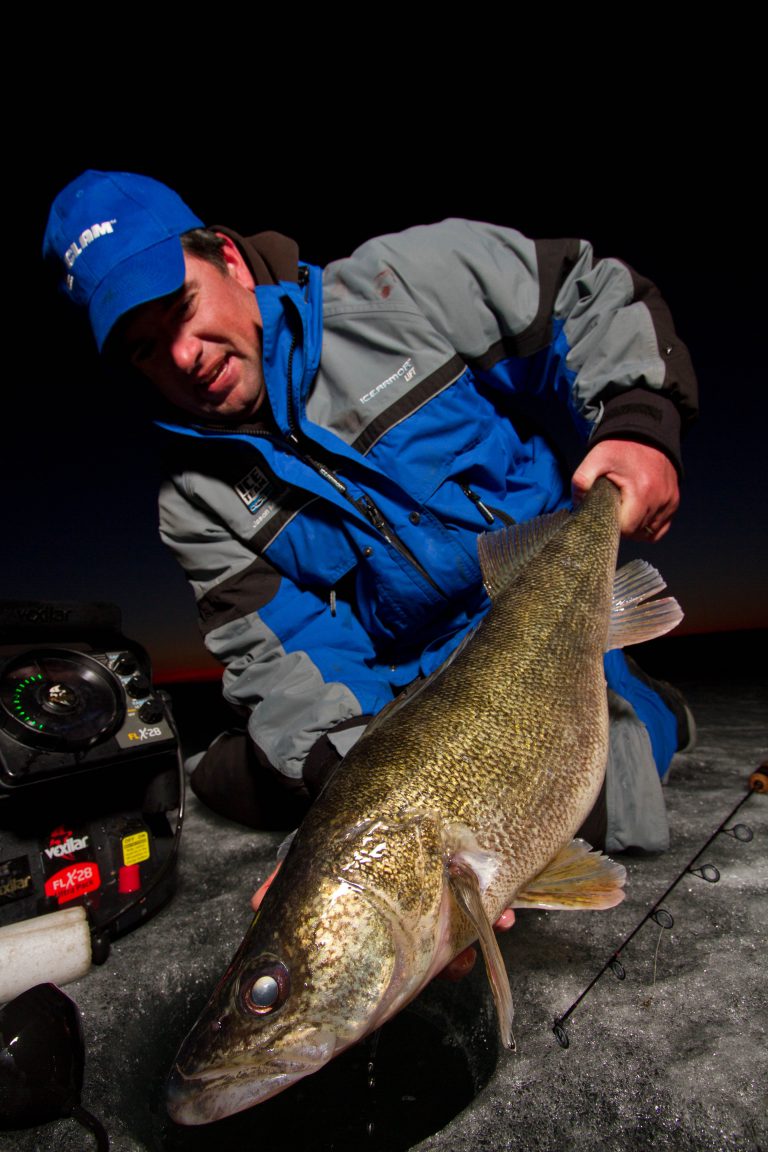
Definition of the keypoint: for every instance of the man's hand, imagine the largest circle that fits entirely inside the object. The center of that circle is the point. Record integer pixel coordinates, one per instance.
(458, 967)
(463, 964)
(646, 478)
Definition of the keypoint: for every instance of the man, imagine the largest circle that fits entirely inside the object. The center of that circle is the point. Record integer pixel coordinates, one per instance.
(336, 440)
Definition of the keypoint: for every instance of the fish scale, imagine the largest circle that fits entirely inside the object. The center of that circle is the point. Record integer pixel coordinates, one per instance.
(454, 805)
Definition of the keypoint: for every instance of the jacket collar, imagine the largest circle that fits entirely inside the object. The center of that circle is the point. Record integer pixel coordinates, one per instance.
(270, 256)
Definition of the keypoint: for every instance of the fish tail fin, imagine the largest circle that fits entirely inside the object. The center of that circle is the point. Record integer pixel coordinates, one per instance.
(632, 621)
(578, 878)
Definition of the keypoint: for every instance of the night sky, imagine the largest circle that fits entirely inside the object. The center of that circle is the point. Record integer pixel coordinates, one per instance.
(681, 206)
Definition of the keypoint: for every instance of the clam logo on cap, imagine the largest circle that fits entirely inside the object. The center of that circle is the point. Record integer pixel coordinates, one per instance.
(86, 237)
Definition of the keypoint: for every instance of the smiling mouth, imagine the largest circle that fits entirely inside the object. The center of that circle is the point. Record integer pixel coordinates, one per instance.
(207, 384)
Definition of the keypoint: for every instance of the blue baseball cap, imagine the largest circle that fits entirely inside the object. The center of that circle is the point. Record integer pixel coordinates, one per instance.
(114, 237)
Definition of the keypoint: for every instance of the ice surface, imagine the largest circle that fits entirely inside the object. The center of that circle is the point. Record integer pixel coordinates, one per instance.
(674, 1057)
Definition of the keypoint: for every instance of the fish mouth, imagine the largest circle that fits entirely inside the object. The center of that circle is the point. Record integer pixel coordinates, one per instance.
(212, 1093)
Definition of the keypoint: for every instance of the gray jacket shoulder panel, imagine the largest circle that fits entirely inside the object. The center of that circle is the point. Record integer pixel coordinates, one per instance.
(474, 282)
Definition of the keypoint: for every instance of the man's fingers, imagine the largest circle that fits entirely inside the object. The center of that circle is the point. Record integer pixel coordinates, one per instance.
(463, 964)
(460, 966)
(646, 478)
(648, 534)
(261, 891)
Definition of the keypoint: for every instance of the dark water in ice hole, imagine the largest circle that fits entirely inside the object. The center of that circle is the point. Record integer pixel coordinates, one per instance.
(386, 1094)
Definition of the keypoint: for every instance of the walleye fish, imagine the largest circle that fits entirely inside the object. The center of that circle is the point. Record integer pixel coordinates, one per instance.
(454, 805)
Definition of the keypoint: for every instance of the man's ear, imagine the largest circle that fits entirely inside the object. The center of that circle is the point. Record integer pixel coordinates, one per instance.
(236, 265)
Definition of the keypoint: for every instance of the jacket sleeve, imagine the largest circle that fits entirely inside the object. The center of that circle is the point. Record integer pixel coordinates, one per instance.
(504, 300)
(309, 690)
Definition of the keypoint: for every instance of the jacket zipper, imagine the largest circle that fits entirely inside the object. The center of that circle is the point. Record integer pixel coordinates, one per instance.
(483, 509)
(374, 514)
(370, 510)
(488, 514)
(364, 504)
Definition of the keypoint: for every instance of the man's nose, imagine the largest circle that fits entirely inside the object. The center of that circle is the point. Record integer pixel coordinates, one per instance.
(186, 351)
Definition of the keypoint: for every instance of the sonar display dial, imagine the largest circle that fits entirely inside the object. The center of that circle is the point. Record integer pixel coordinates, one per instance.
(56, 698)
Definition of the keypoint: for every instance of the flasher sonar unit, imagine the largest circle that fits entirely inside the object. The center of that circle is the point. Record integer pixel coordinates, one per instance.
(91, 783)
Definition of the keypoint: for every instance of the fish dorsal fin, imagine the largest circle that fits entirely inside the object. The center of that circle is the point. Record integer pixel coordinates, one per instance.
(578, 878)
(632, 621)
(505, 553)
(470, 870)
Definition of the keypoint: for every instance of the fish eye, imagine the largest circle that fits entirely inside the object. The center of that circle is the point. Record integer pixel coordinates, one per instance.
(265, 987)
(265, 991)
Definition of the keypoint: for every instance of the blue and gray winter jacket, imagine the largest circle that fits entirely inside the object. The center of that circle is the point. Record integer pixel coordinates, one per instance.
(436, 384)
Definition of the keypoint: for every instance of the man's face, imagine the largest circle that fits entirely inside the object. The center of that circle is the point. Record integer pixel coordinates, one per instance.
(201, 346)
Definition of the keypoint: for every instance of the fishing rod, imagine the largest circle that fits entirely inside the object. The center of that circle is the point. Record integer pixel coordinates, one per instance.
(758, 782)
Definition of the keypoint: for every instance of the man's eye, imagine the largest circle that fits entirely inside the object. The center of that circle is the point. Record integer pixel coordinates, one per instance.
(141, 353)
(184, 306)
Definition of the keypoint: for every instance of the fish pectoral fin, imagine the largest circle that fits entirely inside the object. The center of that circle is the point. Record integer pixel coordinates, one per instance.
(632, 621)
(466, 890)
(578, 878)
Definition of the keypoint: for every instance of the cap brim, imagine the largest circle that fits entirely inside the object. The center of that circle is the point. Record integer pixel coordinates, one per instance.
(147, 275)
